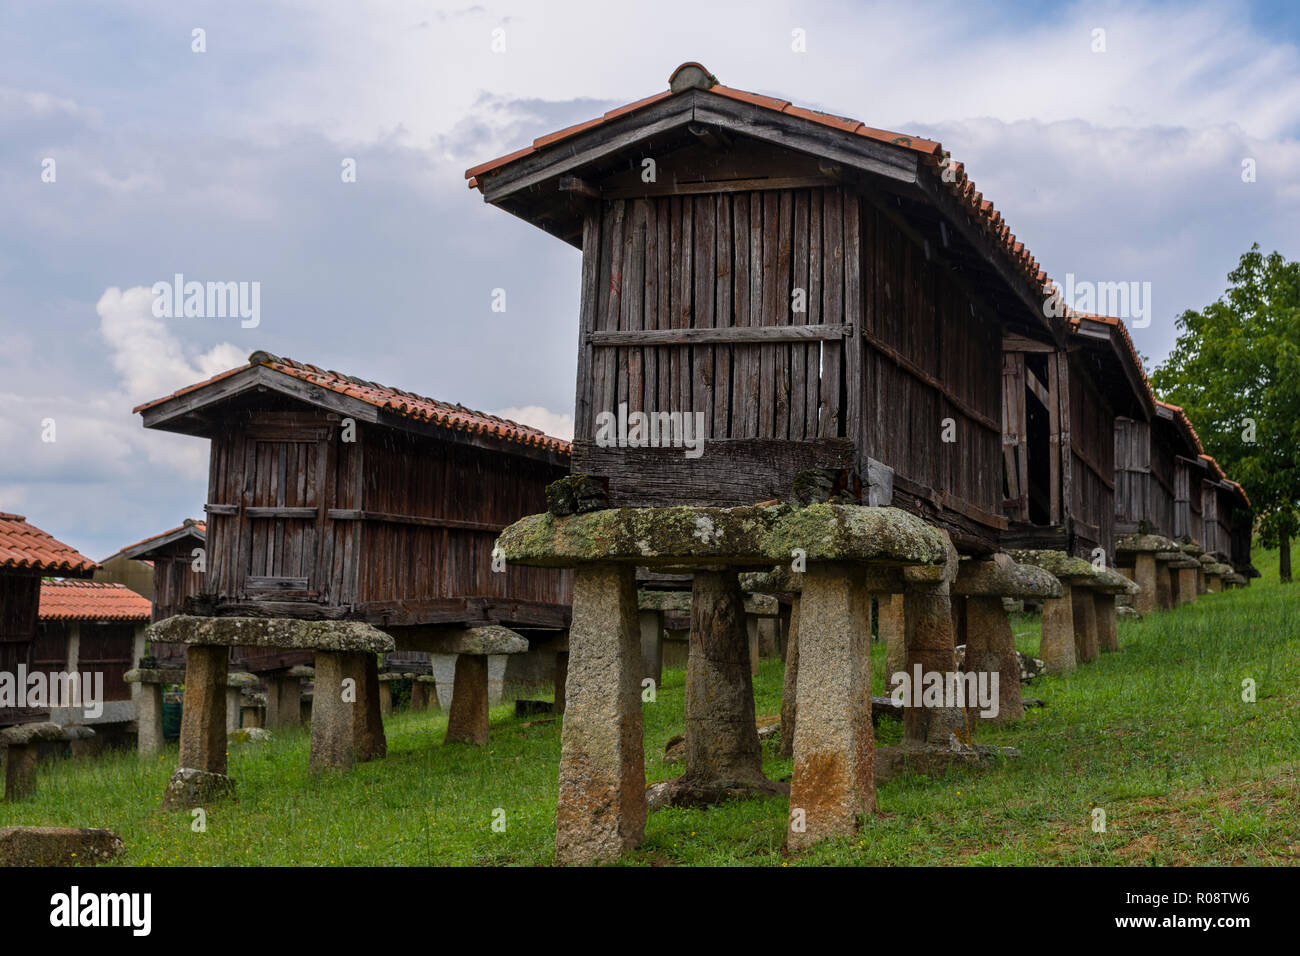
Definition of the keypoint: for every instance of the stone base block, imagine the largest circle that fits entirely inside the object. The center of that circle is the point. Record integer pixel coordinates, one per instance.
(58, 846)
(196, 788)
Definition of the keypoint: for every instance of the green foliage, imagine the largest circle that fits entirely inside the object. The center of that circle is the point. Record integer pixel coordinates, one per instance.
(1236, 360)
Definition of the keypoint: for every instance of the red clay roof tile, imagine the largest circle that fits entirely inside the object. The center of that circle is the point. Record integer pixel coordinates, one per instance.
(456, 417)
(26, 546)
(91, 601)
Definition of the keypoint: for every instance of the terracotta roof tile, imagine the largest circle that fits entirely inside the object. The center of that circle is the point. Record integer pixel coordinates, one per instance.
(931, 152)
(199, 525)
(91, 601)
(26, 546)
(409, 404)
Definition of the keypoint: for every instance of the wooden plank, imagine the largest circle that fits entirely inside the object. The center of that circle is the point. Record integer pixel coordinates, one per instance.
(722, 320)
(762, 334)
(650, 308)
(703, 293)
(1054, 439)
(1066, 455)
(278, 511)
(781, 351)
(717, 187)
(663, 316)
(772, 308)
(853, 362)
(799, 351)
(816, 316)
(684, 304)
(591, 247)
(753, 424)
(631, 366)
(744, 406)
(833, 308)
(608, 396)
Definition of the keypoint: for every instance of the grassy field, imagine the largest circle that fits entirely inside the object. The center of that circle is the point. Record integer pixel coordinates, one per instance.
(1157, 735)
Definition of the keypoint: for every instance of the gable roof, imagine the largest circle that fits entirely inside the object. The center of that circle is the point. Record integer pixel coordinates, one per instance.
(394, 405)
(1179, 417)
(1123, 349)
(24, 546)
(91, 601)
(140, 551)
(908, 159)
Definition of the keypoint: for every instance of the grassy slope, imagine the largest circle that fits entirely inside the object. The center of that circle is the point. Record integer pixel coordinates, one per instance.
(1157, 735)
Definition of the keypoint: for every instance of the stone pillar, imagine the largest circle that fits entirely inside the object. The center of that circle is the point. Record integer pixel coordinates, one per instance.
(346, 725)
(284, 701)
(722, 748)
(751, 643)
(789, 687)
(234, 710)
(1085, 625)
(1200, 581)
(1214, 584)
(1186, 585)
(652, 645)
(419, 694)
(601, 808)
(834, 747)
(148, 719)
(1107, 626)
(1057, 647)
(927, 619)
(1145, 576)
(890, 627)
(385, 698)
(991, 649)
(429, 682)
(203, 713)
(562, 679)
(20, 771)
(1164, 586)
(467, 721)
(138, 644)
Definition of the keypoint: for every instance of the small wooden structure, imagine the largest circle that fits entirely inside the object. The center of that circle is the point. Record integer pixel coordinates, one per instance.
(819, 293)
(94, 628)
(335, 498)
(1060, 403)
(26, 555)
(1226, 518)
(175, 557)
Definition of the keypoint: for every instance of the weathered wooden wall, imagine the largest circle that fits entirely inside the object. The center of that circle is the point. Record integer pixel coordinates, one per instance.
(1144, 479)
(1092, 447)
(103, 647)
(690, 304)
(20, 596)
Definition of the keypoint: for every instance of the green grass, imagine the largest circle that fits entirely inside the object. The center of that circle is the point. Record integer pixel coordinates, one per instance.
(1157, 735)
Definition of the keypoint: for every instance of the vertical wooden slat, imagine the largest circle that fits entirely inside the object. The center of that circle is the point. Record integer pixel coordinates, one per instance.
(683, 305)
(853, 369)
(833, 309)
(722, 358)
(799, 351)
(1054, 444)
(743, 382)
(650, 310)
(781, 350)
(756, 312)
(1067, 448)
(773, 308)
(630, 367)
(703, 296)
(812, 351)
(591, 266)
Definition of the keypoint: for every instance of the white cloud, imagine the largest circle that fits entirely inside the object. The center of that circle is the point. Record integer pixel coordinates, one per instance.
(555, 424)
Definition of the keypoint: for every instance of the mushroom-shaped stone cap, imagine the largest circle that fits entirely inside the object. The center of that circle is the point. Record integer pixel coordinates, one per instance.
(25, 734)
(301, 671)
(999, 575)
(1144, 542)
(241, 679)
(1110, 581)
(155, 675)
(685, 536)
(338, 636)
(1219, 568)
(1056, 563)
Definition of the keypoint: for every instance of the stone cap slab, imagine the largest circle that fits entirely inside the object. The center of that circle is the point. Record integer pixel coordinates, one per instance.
(1206, 558)
(335, 636)
(24, 734)
(1219, 568)
(176, 675)
(1234, 578)
(1184, 563)
(750, 535)
(488, 639)
(301, 671)
(1144, 543)
(1192, 548)
(1077, 572)
(760, 605)
(1001, 576)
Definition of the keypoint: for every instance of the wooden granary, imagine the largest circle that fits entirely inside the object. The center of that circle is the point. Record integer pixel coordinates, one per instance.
(335, 498)
(796, 289)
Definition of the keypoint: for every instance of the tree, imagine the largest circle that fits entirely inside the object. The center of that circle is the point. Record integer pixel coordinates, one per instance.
(1235, 370)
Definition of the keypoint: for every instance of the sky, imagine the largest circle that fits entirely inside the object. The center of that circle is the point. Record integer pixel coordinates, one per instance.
(127, 156)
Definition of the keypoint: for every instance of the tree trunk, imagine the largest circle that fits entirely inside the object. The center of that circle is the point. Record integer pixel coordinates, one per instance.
(1284, 558)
